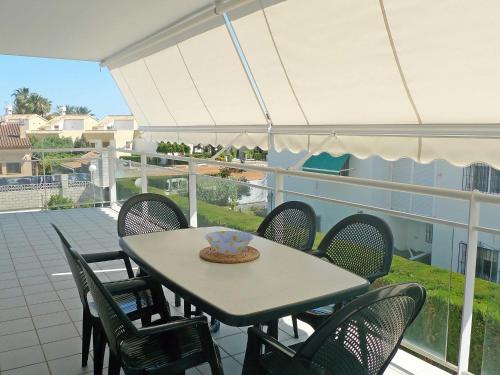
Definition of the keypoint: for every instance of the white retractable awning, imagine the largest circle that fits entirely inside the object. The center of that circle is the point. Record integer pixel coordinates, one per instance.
(416, 79)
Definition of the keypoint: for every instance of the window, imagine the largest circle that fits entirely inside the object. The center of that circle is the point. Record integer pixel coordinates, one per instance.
(13, 168)
(128, 145)
(481, 177)
(429, 233)
(486, 262)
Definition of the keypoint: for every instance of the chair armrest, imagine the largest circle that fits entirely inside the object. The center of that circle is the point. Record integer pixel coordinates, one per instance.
(136, 284)
(271, 343)
(173, 325)
(110, 255)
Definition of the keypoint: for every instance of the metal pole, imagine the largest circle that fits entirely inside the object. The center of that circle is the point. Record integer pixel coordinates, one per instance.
(193, 202)
(470, 277)
(111, 172)
(278, 189)
(144, 175)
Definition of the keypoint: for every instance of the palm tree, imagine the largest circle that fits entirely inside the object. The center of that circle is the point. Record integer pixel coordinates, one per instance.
(77, 110)
(30, 102)
(21, 96)
(39, 104)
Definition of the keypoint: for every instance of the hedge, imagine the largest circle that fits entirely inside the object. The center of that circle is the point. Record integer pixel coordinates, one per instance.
(429, 330)
(432, 330)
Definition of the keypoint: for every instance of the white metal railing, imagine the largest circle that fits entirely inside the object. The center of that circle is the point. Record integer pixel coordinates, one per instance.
(475, 198)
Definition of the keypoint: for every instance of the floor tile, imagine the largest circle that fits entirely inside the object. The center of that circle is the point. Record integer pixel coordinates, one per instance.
(71, 365)
(15, 313)
(21, 357)
(53, 319)
(38, 288)
(18, 341)
(15, 326)
(234, 344)
(38, 369)
(42, 297)
(9, 303)
(62, 348)
(46, 308)
(55, 333)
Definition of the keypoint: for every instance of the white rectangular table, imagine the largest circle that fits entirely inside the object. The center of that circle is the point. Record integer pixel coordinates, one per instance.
(282, 281)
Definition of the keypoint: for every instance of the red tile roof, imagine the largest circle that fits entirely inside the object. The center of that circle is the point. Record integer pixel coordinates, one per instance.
(10, 137)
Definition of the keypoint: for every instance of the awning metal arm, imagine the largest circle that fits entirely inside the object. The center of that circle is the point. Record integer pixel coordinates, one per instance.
(228, 146)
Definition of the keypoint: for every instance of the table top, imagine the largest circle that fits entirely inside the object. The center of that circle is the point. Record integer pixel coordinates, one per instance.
(282, 281)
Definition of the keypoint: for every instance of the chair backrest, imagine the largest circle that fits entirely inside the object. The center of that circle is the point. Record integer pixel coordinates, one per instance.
(116, 324)
(76, 269)
(363, 337)
(148, 213)
(292, 223)
(362, 244)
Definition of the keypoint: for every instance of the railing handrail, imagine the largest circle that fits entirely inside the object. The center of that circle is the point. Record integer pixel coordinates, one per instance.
(356, 181)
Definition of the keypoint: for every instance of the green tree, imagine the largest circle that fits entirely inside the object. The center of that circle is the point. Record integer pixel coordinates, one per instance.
(30, 102)
(76, 110)
(21, 96)
(39, 104)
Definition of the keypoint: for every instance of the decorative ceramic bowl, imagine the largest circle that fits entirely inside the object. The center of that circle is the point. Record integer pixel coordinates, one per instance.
(229, 241)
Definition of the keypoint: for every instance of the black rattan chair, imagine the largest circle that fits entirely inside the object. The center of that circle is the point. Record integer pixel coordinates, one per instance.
(360, 339)
(140, 298)
(168, 348)
(360, 243)
(149, 213)
(292, 223)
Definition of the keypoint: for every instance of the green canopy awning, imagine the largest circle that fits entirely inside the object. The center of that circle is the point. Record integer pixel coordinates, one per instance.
(325, 163)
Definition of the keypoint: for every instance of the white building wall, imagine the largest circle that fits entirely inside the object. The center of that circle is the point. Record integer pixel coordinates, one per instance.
(407, 234)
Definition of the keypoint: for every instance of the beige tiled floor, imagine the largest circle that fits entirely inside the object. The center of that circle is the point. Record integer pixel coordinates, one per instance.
(40, 312)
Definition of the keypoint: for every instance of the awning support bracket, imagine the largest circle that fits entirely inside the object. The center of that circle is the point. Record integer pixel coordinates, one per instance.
(228, 146)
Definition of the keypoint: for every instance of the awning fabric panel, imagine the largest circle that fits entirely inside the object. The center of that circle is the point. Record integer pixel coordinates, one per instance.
(450, 54)
(177, 88)
(220, 78)
(90, 30)
(263, 58)
(339, 61)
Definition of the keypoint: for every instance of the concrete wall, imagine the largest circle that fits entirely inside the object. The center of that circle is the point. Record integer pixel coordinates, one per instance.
(27, 197)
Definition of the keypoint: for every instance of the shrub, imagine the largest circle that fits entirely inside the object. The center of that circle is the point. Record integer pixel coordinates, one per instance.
(58, 202)
(438, 326)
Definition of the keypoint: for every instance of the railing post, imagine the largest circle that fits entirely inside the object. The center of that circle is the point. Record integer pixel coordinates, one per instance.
(111, 172)
(144, 175)
(279, 185)
(470, 277)
(193, 203)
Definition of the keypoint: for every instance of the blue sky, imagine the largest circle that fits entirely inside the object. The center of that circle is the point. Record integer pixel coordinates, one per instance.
(79, 83)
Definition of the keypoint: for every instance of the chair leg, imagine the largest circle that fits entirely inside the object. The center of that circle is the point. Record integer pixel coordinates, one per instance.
(99, 344)
(272, 329)
(251, 362)
(216, 363)
(295, 327)
(114, 365)
(86, 335)
(187, 309)
(177, 300)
